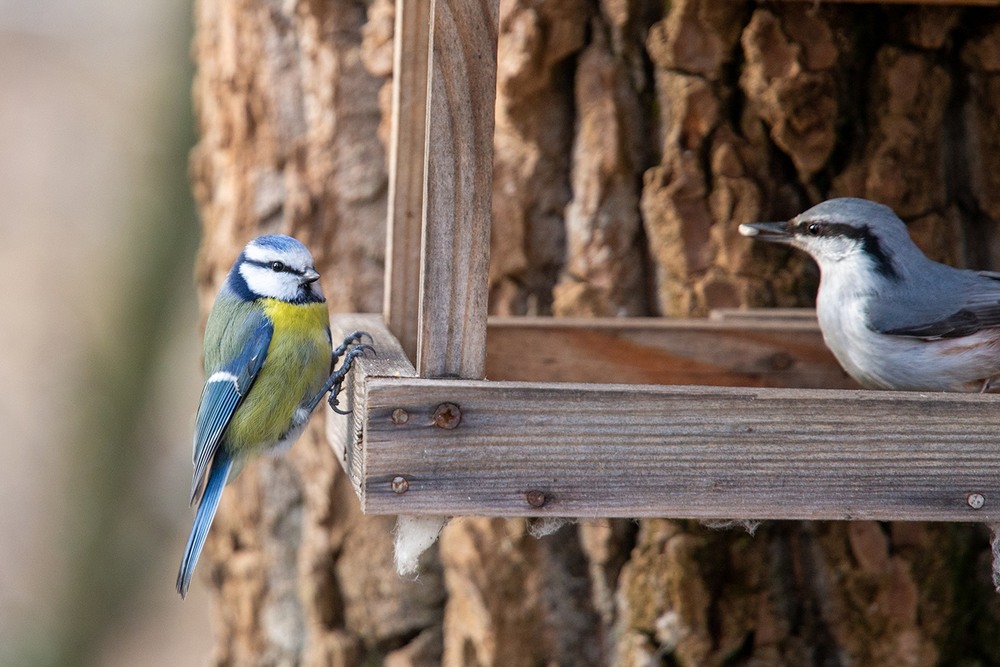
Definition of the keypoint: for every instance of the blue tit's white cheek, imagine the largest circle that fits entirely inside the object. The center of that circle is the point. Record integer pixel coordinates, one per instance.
(265, 282)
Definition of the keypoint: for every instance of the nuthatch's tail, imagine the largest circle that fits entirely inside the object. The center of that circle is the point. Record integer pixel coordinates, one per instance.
(217, 476)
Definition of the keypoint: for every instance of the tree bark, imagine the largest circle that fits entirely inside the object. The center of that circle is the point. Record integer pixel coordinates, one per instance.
(632, 138)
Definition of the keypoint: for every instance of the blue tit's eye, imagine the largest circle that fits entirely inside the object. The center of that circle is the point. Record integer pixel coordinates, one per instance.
(277, 267)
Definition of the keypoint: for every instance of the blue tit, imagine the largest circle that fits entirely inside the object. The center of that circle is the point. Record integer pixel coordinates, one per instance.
(268, 360)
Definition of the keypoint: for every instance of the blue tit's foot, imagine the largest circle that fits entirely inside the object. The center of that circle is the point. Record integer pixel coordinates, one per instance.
(336, 380)
(356, 337)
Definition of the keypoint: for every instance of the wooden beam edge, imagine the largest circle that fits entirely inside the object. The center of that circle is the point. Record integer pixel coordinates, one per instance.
(458, 179)
(571, 450)
(754, 349)
(346, 432)
(408, 129)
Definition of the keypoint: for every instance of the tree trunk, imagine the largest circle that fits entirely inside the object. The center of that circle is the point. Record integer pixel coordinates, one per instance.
(631, 140)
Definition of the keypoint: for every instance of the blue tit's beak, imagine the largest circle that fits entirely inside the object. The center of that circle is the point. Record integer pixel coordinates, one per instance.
(773, 232)
(308, 276)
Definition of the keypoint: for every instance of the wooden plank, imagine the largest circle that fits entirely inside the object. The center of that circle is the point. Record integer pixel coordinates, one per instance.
(580, 450)
(458, 194)
(401, 305)
(346, 432)
(750, 350)
(765, 315)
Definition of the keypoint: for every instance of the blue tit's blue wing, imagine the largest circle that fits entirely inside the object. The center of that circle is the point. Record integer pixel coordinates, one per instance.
(224, 391)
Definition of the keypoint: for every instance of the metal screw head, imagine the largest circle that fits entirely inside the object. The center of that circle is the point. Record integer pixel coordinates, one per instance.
(976, 500)
(400, 485)
(400, 416)
(447, 416)
(535, 498)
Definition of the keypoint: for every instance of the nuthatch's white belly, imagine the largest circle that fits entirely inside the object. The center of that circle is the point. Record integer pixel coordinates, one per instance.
(883, 361)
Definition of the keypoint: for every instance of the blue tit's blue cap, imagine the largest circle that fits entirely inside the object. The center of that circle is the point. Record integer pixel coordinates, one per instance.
(279, 242)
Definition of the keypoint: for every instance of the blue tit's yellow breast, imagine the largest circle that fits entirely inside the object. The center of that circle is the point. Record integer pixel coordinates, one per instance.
(297, 365)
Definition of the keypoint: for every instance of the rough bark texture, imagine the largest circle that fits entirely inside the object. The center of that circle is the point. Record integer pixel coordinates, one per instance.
(632, 138)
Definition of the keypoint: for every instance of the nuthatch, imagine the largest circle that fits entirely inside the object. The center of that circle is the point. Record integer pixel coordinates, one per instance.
(894, 318)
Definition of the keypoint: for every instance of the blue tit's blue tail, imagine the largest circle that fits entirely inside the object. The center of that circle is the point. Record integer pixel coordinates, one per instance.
(217, 476)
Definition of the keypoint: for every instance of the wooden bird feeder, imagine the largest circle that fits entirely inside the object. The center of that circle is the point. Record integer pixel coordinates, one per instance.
(605, 417)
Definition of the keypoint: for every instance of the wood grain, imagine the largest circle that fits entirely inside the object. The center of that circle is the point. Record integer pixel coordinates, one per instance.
(346, 432)
(699, 452)
(770, 315)
(615, 450)
(401, 305)
(754, 349)
(458, 195)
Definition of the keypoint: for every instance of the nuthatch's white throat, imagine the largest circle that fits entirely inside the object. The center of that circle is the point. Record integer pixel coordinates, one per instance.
(894, 318)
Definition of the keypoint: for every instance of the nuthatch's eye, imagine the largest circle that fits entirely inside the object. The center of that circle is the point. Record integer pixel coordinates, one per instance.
(814, 229)
(277, 267)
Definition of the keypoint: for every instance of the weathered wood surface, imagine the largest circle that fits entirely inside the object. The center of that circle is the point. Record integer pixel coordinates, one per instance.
(614, 450)
(459, 177)
(751, 348)
(344, 432)
(683, 452)
(408, 137)
(771, 315)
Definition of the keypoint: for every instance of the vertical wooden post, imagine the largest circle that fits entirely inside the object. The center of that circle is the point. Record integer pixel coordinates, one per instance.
(461, 93)
(411, 51)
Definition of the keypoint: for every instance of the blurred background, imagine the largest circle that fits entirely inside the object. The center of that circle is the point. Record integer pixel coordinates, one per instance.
(101, 347)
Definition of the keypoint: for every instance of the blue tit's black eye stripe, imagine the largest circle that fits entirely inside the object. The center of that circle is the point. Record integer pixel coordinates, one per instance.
(277, 267)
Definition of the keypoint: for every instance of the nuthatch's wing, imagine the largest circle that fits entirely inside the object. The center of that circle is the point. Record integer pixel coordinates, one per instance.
(224, 390)
(965, 303)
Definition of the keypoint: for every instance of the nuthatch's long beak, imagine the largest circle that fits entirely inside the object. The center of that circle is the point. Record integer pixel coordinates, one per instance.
(774, 232)
(309, 276)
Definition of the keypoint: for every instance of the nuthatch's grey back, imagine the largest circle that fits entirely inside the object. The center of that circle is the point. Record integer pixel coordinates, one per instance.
(894, 318)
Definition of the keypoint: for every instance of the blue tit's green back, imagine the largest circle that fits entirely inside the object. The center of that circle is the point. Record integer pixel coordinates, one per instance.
(295, 367)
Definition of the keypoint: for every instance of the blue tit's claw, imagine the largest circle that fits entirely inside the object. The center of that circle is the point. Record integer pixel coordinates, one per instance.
(351, 339)
(333, 406)
(336, 381)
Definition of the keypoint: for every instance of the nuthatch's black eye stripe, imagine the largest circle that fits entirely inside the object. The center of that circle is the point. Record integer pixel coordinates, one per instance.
(823, 228)
(863, 233)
